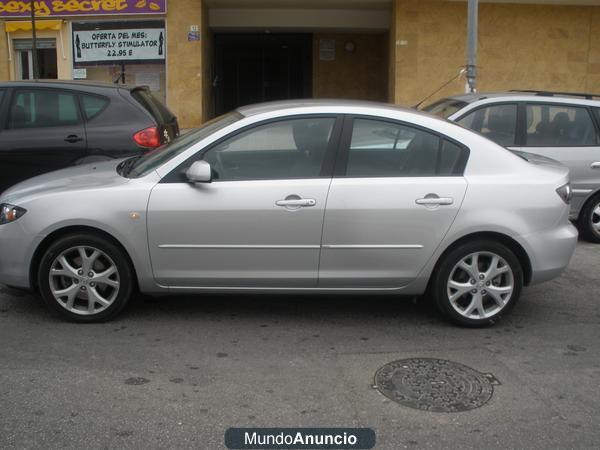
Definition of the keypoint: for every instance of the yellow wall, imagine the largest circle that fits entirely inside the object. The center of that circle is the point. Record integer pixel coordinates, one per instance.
(4, 67)
(359, 75)
(520, 47)
(185, 68)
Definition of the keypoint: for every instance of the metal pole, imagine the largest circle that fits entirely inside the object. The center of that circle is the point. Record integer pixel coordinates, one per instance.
(472, 47)
(34, 56)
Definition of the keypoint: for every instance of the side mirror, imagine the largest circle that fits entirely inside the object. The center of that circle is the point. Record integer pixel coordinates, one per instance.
(199, 172)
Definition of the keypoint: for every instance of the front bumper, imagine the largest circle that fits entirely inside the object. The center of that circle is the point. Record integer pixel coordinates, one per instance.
(16, 252)
(550, 251)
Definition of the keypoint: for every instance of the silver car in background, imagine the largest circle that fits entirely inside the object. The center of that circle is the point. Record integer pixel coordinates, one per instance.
(562, 126)
(307, 196)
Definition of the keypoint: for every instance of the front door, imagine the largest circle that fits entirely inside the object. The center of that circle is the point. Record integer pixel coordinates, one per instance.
(398, 193)
(259, 222)
(43, 132)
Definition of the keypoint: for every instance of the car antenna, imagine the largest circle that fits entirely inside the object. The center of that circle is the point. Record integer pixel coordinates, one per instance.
(460, 73)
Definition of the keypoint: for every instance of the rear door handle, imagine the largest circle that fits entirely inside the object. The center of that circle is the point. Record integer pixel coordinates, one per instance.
(297, 202)
(595, 165)
(434, 201)
(72, 138)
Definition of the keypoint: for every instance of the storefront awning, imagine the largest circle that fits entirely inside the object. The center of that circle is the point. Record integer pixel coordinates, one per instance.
(40, 25)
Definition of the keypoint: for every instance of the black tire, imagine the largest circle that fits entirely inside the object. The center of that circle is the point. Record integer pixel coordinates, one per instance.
(587, 218)
(441, 278)
(115, 254)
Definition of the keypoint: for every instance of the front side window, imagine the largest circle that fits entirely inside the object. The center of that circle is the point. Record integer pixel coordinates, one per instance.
(497, 123)
(43, 108)
(559, 126)
(387, 149)
(285, 149)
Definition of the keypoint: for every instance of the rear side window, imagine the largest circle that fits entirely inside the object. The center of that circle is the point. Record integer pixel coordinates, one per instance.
(159, 112)
(386, 149)
(93, 105)
(1, 95)
(559, 126)
(497, 123)
(43, 108)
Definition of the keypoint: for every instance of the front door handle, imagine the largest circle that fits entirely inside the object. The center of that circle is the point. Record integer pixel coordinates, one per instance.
(296, 202)
(72, 138)
(430, 200)
(595, 165)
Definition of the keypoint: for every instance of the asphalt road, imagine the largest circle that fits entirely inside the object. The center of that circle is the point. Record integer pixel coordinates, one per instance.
(177, 372)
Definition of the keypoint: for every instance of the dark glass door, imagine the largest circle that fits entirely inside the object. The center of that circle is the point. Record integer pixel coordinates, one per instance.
(254, 68)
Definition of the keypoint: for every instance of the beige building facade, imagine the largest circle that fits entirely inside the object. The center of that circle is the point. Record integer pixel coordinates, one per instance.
(207, 56)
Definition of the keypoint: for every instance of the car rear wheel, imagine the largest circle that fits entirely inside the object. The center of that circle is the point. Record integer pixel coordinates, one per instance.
(589, 220)
(476, 283)
(85, 278)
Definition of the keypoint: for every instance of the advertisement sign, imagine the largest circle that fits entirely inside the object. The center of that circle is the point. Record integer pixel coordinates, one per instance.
(114, 42)
(67, 8)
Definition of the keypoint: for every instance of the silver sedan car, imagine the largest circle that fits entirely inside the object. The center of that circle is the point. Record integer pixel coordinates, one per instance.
(307, 196)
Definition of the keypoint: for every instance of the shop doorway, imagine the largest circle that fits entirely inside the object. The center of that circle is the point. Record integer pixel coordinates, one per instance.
(254, 68)
(46, 56)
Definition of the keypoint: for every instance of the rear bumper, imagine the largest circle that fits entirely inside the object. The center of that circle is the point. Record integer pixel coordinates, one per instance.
(550, 251)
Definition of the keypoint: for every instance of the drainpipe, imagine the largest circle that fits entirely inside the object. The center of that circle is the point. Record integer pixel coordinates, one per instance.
(34, 56)
(472, 47)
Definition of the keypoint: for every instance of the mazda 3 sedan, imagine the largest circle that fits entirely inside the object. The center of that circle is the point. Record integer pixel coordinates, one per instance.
(307, 196)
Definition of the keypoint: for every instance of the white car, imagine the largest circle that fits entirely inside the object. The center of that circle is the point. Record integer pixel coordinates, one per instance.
(307, 196)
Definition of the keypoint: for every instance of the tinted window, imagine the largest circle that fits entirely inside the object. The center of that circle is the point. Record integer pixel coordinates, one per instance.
(1, 95)
(41, 108)
(286, 149)
(159, 112)
(497, 123)
(445, 108)
(93, 105)
(559, 126)
(386, 149)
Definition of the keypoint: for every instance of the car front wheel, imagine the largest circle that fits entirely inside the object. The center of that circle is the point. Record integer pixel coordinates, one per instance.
(476, 283)
(85, 278)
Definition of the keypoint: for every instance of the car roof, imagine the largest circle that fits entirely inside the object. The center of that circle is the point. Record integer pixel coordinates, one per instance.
(70, 84)
(526, 95)
(261, 108)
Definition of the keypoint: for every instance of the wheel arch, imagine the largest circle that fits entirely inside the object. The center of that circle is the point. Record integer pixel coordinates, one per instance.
(504, 239)
(65, 231)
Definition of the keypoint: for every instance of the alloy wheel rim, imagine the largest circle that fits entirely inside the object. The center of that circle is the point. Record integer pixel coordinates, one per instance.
(480, 285)
(84, 280)
(595, 219)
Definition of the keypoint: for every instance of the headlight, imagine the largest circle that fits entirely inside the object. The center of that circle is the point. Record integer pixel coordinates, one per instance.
(10, 213)
(565, 192)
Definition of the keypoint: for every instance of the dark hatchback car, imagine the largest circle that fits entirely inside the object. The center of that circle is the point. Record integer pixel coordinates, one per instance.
(49, 125)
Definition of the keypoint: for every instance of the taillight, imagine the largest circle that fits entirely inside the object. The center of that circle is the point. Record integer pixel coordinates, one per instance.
(148, 138)
(565, 192)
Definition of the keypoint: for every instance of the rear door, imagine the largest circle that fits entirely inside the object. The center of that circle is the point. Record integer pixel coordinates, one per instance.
(397, 191)
(42, 131)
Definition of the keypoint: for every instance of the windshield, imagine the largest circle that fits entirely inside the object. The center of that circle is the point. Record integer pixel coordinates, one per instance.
(445, 108)
(155, 158)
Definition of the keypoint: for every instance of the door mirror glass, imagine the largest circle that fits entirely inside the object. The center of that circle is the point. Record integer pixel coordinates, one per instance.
(199, 172)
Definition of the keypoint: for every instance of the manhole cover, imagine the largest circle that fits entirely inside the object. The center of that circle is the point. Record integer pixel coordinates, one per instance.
(434, 385)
